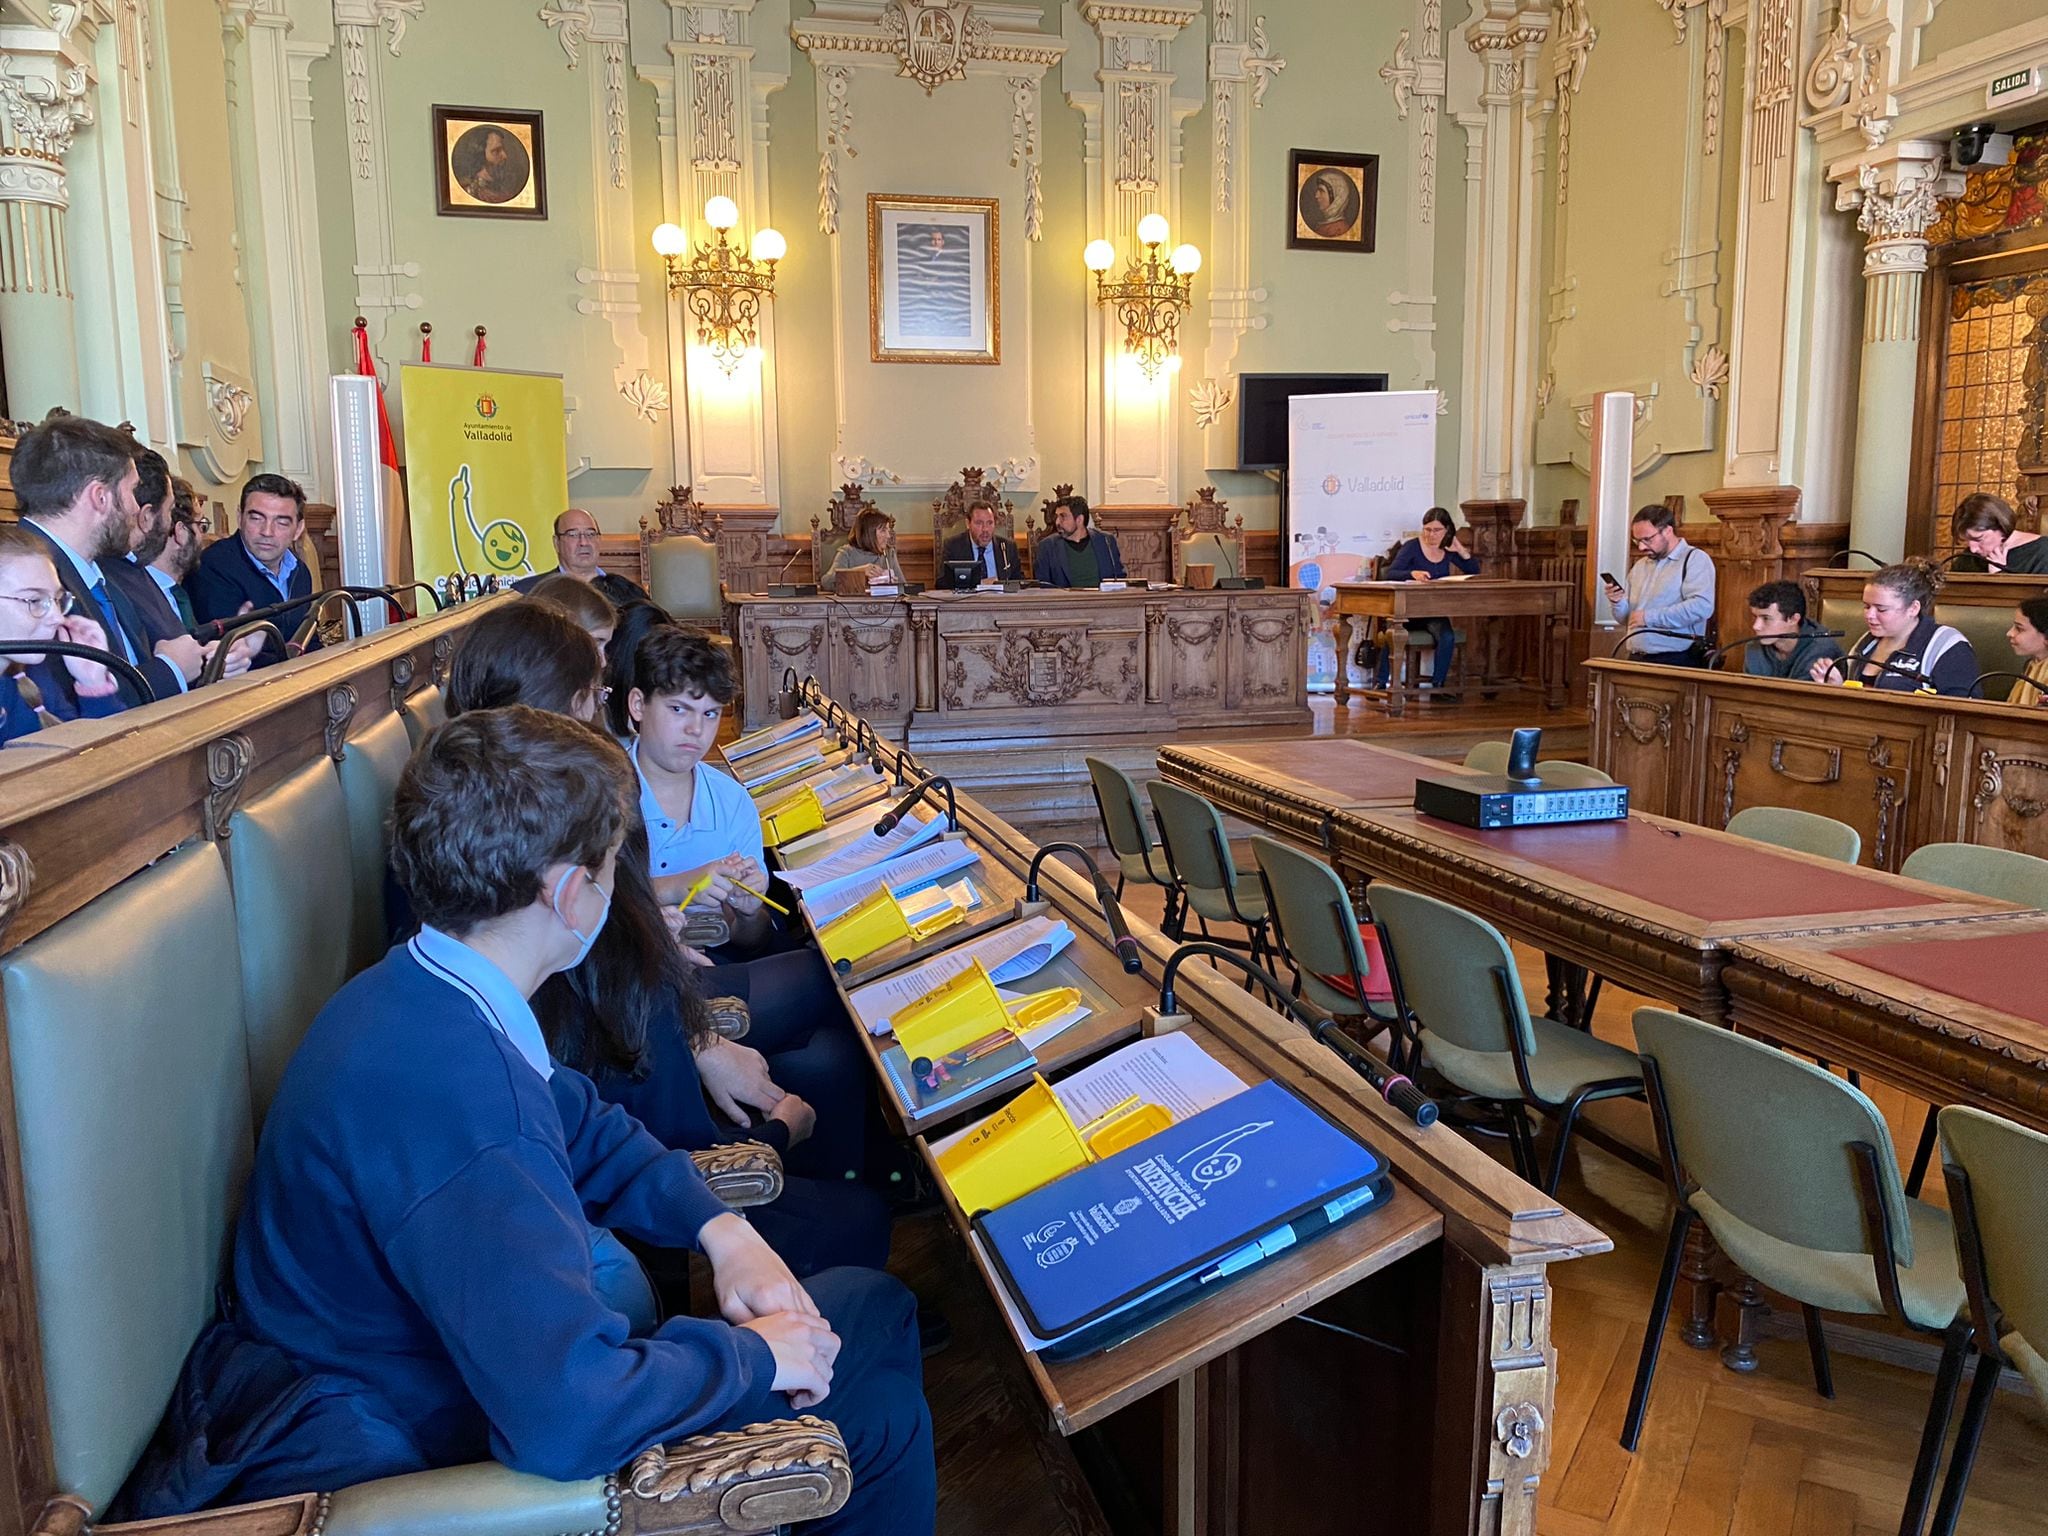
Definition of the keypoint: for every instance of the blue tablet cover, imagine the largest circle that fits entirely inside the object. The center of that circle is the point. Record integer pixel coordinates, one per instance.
(1175, 1206)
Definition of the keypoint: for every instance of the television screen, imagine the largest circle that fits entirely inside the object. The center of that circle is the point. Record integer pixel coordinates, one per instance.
(1262, 409)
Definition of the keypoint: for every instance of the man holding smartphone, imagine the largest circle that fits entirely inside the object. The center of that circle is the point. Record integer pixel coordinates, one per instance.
(1668, 604)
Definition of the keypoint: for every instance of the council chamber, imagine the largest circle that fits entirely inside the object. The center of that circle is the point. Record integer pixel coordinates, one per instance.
(858, 766)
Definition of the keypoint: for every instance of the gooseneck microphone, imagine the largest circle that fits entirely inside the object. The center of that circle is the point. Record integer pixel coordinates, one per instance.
(1628, 635)
(120, 666)
(890, 818)
(1397, 1088)
(1796, 635)
(322, 601)
(1861, 664)
(1977, 684)
(1120, 938)
(217, 664)
(1846, 553)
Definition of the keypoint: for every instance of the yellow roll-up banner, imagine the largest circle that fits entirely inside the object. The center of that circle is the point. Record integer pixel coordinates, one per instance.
(486, 469)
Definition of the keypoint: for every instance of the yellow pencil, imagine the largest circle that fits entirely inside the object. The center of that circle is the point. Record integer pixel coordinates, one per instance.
(703, 883)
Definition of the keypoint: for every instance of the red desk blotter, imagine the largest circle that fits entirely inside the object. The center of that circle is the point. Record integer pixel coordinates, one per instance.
(2001, 971)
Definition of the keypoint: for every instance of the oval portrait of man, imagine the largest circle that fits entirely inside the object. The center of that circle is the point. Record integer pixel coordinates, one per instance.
(490, 164)
(1329, 204)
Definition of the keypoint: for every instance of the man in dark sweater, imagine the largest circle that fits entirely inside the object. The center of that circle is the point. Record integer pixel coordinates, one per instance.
(1787, 642)
(1074, 555)
(424, 1273)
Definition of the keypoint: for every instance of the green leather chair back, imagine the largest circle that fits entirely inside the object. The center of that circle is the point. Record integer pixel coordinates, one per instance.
(1199, 849)
(1488, 757)
(1446, 959)
(288, 851)
(423, 711)
(2008, 1169)
(1801, 831)
(682, 576)
(1767, 1135)
(131, 1095)
(1313, 913)
(369, 770)
(2003, 874)
(1557, 773)
(1123, 819)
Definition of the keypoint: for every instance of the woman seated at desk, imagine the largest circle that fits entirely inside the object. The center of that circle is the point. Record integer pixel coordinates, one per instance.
(1907, 648)
(872, 549)
(1437, 554)
(1984, 525)
(2028, 638)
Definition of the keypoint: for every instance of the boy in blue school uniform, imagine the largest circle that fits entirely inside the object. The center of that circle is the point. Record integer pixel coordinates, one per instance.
(417, 1272)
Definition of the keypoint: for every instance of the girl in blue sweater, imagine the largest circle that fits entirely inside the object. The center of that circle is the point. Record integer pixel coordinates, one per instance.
(1431, 557)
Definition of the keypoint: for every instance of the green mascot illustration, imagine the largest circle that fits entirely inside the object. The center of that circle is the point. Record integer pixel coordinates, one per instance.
(501, 543)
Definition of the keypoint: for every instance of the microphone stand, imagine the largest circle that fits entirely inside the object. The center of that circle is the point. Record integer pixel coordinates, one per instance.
(217, 663)
(895, 814)
(2021, 677)
(120, 666)
(1105, 898)
(1628, 635)
(1924, 684)
(1845, 553)
(1799, 634)
(1395, 1087)
(303, 636)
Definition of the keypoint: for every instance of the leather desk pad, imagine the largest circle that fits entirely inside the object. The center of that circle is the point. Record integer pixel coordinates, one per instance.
(2007, 972)
(1714, 879)
(1346, 771)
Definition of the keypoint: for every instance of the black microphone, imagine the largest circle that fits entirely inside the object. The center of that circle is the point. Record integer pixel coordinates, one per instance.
(1798, 634)
(795, 550)
(1628, 635)
(1120, 938)
(1397, 1088)
(120, 666)
(1844, 554)
(221, 626)
(217, 664)
(1922, 682)
(303, 635)
(1948, 562)
(895, 814)
(2016, 676)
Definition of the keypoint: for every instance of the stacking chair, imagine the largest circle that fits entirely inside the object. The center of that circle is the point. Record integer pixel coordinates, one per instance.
(1792, 1171)
(1801, 831)
(1488, 757)
(1198, 858)
(1454, 975)
(1123, 826)
(2002, 874)
(1316, 930)
(1557, 773)
(1997, 1175)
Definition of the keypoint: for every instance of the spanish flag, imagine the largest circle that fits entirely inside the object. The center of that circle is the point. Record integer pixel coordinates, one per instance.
(397, 546)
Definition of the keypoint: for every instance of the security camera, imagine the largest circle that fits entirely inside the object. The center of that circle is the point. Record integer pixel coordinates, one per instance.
(1980, 144)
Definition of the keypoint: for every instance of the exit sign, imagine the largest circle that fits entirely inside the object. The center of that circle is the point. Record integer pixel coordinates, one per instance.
(2015, 85)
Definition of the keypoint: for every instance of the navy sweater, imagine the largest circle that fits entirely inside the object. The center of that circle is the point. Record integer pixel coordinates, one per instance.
(1409, 559)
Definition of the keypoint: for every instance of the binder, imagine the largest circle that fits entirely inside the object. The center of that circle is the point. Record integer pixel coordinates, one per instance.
(1102, 1253)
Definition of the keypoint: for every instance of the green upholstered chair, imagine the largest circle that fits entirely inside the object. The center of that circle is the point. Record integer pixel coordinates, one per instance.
(423, 711)
(136, 1121)
(1792, 1171)
(2003, 874)
(1997, 1175)
(1198, 858)
(1455, 976)
(293, 871)
(1558, 773)
(1317, 930)
(1488, 757)
(1138, 857)
(1801, 831)
(682, 576)
(369, 769)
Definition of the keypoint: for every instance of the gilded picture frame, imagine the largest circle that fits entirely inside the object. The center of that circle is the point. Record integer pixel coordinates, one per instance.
(1333, 200)
(934, 279)
(489, 164)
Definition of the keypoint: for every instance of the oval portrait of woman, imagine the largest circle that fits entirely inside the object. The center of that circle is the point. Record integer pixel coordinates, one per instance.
(1328, 205)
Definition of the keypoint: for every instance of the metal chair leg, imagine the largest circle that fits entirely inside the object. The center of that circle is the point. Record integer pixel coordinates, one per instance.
(1955, 1346)
(1923, 1154)
(1653, 1334)
(1817, 1347)
(1983, 1388)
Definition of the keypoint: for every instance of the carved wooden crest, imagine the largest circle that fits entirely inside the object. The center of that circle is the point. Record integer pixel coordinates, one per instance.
(1208, 520)
(933, 39)
(1060, 493)
(843, 510)
(341, 709)
(792, 1468)
(971, 490)
(682, 513)
(227, 769)
(1205, 514)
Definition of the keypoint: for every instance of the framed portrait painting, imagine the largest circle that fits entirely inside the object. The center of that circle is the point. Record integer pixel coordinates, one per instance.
(489, 164)
(1335, 202)
(934, 279)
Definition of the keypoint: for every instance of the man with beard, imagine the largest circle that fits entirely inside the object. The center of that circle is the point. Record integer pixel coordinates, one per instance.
(156, 597)
(75, 480)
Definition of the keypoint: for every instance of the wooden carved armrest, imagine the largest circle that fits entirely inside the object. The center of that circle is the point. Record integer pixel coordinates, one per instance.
(744, 1481)
(302, 1514)
(729, 1017)
(741, 1173)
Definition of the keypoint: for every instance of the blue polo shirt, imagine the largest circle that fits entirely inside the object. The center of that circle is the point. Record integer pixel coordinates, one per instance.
(722, 821)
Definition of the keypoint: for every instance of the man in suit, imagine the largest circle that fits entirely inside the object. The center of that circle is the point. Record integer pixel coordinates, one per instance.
(75, 480)
(170, 567)
(995, 559)
(1074, 555)
(576, 555)
(257, 568)
(158, 599)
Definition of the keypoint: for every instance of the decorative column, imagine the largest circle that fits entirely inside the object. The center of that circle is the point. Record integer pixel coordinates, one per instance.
(46, 97)
(1133, 157)
(1416, 76)
(367, 30)
(1895, 199)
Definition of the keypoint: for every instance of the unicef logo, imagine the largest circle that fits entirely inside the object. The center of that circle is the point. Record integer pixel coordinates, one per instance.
(1332, 485)
(486, 407)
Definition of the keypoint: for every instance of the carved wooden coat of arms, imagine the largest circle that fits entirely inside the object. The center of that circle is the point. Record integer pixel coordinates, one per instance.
(934, 38)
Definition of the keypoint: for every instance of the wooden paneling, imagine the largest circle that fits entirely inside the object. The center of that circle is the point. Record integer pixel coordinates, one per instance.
(1903, 769)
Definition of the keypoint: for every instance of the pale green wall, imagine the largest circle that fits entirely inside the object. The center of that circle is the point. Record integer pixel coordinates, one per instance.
(1957, 22)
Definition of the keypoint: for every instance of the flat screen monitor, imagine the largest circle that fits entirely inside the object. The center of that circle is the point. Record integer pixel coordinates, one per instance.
(1262, 409)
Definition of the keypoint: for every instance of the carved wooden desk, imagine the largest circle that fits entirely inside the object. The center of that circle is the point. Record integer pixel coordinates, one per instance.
(1951, 1013)
(1481, 597)
(1037, 664)
(1428, 1320)
(1303, 783)
(1903, 769)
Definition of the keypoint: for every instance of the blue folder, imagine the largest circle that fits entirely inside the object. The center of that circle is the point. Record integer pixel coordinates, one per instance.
(1099, 1254)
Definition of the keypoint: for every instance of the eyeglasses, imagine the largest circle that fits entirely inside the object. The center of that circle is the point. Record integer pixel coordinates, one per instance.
(39, 604)
(579, 535)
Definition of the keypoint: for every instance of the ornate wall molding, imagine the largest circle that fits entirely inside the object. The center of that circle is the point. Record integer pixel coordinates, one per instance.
(1575, 39)
(1855, 72)
(1024, 150)
(838, 117)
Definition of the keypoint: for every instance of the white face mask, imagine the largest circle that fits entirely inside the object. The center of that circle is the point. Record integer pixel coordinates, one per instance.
(583, 940)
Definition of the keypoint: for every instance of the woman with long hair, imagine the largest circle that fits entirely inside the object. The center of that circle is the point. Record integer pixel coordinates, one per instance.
(872, 547)
(2028, 638)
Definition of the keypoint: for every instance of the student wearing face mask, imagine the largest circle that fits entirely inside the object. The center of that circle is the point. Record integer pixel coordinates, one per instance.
(412, 1284)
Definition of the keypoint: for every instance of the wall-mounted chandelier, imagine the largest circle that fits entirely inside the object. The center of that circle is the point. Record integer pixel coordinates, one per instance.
(724, 286)
(1150, 296)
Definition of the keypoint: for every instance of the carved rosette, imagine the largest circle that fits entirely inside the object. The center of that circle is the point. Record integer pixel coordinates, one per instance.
(341, 710)
(1521, 1359)
(753, 1479)
(444, 655)
(17, 879)
(401, 680)
(227, 770)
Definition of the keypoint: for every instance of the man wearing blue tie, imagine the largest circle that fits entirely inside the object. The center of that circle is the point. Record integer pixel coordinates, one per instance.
(75, 480)
(994, 559)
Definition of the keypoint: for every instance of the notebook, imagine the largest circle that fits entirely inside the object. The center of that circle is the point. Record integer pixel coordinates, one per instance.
(1099, 1255)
